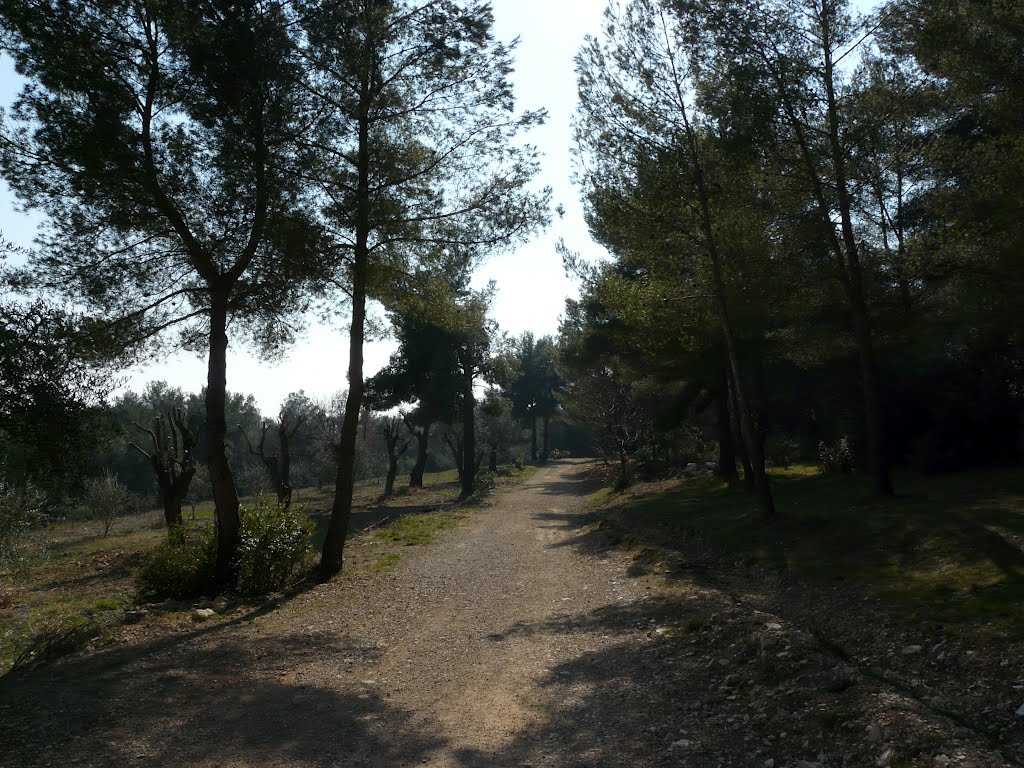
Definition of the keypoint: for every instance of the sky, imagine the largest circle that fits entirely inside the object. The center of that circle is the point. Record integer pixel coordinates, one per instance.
(532, 285)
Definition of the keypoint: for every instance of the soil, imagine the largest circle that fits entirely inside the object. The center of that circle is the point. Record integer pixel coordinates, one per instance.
(520, 639)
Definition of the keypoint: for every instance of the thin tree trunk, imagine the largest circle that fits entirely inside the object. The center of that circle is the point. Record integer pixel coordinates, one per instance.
(547, 441)
(726, 444)
(468, 427)
(533, 437)
(755, 453)
(334, 544)
(881, 473)
(492, 462)
(747, 429)
(455, 448)
(283, 439)
(225, 495)
(332, 559)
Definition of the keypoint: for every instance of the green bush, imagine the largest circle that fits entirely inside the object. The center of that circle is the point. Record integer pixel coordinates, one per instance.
(836, 457)
(21, 509)
(486, 481)
(181, 567)
(105, 499)
(275, 541)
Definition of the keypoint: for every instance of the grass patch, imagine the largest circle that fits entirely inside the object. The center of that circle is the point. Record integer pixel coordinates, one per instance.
(949, 548)
(413, 530)
(73, 583)
(386, 562)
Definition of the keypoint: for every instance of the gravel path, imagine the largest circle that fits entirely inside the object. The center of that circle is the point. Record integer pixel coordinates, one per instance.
(467, 654)
(518, 639)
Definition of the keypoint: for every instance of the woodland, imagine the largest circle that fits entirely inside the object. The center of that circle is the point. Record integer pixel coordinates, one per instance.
(812, 217)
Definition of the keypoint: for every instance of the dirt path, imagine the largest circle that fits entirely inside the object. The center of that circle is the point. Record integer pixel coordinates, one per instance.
(518, 639)
(454, 659)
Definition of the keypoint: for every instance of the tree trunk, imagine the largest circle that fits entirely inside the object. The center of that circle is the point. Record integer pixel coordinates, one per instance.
(225, 495)
(755, 453)
(455, 448)
(332, 559)
(881, 472)
(492, 463)
(547, 442)
(422, 448)
(726, 445)
(734, 409)
(170, 504)
(468, 427)
(533, 437)
(389, 483)
(283, 439)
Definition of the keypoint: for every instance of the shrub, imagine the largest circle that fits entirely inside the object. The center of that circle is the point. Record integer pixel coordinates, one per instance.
(105, 498)
(836, 457)
(54, 640)
(181, 567)
(21, 509)
(274, 542)
(486, 481)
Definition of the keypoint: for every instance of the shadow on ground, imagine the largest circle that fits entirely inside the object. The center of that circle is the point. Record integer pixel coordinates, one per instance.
(216, 703)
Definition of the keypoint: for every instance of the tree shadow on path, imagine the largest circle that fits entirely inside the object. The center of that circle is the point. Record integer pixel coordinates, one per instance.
(294, 699)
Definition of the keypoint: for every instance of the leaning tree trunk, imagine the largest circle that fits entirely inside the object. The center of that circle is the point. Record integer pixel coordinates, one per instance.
(225, 495)
(750, 438)
(853, 283)
(332, 558)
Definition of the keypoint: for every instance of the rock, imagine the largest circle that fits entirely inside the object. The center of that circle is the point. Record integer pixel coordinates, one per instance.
(942, 761)
(220, 605)
(885, 759)
(910, 650)
(1020, 711)
(773, 625)
(135, 615)
(769, 763)
(203, 614)
(874, 732)
(681, 744)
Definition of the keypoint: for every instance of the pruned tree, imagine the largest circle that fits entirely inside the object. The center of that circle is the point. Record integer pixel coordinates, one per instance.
(396, 444)
(173, 457)
(277, 467)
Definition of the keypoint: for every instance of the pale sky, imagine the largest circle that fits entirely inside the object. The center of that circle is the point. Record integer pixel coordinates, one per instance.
(532, 286)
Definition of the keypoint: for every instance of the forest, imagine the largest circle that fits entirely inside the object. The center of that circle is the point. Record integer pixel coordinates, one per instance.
(812, 219)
